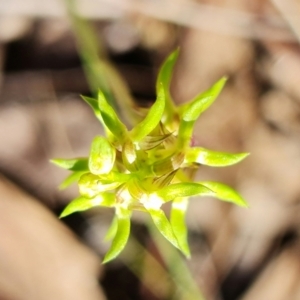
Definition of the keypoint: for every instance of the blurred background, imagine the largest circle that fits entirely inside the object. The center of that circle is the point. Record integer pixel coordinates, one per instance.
(45, 65)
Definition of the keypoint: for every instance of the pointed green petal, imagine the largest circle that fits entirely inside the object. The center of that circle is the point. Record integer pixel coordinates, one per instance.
(213, 158)
(192, 110)
(152, 119)
(78, 204)
(76, 164)
(110, 118)
(93, 103)
(184, 189)
(177, 220)
(121, 237)
(71, 179)
(112, 230)
(90, 185)
(102, 156)
(82, 203)
(114, 176)
(165, 76)
(225, 193)
(185, 133)
(163, 225)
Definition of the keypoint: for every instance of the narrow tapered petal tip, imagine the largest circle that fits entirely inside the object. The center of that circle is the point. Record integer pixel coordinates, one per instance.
(186, 253)
(63, 214)
(245, 204)
(107, 259)
(213, 158)
(56, 161)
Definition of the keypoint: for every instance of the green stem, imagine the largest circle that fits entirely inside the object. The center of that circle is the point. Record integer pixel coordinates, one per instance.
(100, 73)
(186, 286)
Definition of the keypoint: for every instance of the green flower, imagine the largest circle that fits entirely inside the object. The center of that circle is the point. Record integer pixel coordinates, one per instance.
(148, 166)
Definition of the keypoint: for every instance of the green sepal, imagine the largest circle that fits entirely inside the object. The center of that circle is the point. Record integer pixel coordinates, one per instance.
(121, 237)
(93, 103)
(191, 111)
(112, 230)
(82, 203)
(110, 118)
(102, 156)
(114, 176)
(177, 220)
(185, 133)
(184, 189)
(163, 225)
(78, 204)
(165, 77)
(90, 185)
(71, 179)
(152, 119)
(213, 158)
(225, 193)
(76, 164)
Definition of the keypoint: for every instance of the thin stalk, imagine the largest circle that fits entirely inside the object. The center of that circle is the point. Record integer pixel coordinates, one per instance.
(100, 73)
(185, 284)
(148, 269)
